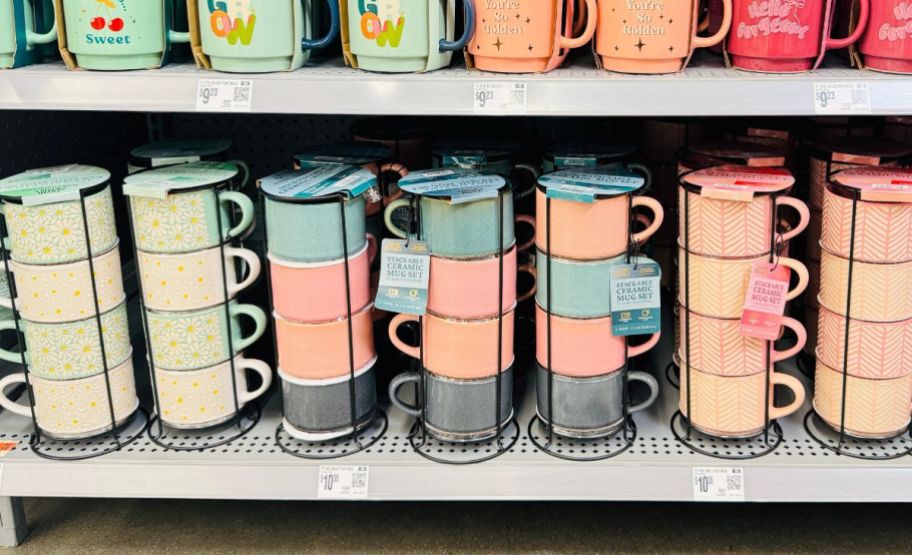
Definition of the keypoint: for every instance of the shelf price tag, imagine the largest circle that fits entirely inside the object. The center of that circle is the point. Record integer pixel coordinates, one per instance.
(500, 98)
(718, 484)
(842, 98)
(224, 95)
(343, 482)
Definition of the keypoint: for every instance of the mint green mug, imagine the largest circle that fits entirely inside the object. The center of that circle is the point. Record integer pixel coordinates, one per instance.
(404, 36)
(261, 36)
(18, 35)
(117, 35)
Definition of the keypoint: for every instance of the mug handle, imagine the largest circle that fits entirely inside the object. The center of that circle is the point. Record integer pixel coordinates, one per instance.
(778, 378)
(394, 324)
(395, 386)
(263, 370)
(640, 349)
(245, 205)
(372, 249)
(863, 11)
(323, 42)
(9, 404)
(530, 221)
(9, 356)
(245, 171)
(704, 42)
(468, 30)
(799, 331)
(803, 276)
(534, 172)
(31, 37)
(804, 216)
(259, 319)
(643, 169)
(651, 383)
(529, 269)
(659, 217)
(388, 217)
(253, 262)
(588, 32)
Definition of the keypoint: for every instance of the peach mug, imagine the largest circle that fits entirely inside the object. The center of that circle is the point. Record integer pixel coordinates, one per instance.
(652, 36)
(718, 347)
(459, 349)
(874, 408)
(592, 231)
(583, 348)
(735, 407)
(320, 351)
(467, 289)
(718, 286)
(880, 292)
(877, 350)
(315, 292)
(524, 36)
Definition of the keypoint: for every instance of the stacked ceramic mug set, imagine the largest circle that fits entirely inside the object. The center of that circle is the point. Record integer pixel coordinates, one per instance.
(582, 237)
(863, 382)
(71, 304)
(466, 343)
(190, 275)
(828, 157)
(728, 218)
(319, 270)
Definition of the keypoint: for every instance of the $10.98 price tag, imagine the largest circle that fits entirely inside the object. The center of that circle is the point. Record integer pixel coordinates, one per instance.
(224, 95)
(718, 484)
(343, 482)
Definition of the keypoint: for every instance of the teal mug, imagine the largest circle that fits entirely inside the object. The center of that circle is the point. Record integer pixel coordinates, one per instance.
(405, 36)
(571, 155)
(262, 36)
(495, 159)
(199, 339)
(121, 35)
(18, 35)
(312, 231)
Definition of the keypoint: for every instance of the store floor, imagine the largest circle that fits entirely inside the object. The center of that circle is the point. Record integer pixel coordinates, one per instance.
(228, 527)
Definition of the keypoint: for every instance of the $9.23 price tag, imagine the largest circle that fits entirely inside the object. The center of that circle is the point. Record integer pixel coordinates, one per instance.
(718, 484)
(343, 482)
(224, 95)
(842, 98)
(500, 98)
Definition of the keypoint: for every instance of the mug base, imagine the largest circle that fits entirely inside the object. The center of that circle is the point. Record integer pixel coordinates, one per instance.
(642, 67)
(380, 64)
(200, 425)
(93, 433)
(253, 65)
(772, 65)
(101, 62)
(511, 65)
(466, 437)
(7, 59)
(749, 434)
(834, 426)
(323, 435)
(574, 433)
(887, 65)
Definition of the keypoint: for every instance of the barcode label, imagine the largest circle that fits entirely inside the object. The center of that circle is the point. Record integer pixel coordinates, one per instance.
(343, 482)
(842, 98)
(718, 484)
(500, 98)
(224, 95)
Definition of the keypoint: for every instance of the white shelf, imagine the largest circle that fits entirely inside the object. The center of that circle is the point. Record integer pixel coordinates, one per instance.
(707, 89)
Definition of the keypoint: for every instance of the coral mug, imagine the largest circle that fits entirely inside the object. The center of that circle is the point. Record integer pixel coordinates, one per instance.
(784, 36)
(523, 36)
(886, 44)
(652, 36)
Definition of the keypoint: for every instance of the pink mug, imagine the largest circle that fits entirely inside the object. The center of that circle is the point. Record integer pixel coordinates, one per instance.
(887, 42)
(877, 350)
(785, 36)
(583, 348)
(459, 349)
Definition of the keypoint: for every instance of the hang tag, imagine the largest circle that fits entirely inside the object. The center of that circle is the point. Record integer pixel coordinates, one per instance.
(764, 306)
(842, 98)
(343, 482)
(224, 95)
(635, 298)
(405, 270)
(718, 484)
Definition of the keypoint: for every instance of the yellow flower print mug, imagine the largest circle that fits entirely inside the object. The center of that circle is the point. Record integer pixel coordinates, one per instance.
(187, 207)
(44, 213)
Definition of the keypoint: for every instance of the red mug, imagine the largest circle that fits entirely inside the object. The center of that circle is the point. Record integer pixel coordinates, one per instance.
(887, 42)
(785, 36)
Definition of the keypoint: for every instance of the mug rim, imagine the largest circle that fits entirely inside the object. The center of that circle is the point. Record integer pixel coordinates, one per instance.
(285, 263)
(474, 381)
(829, 368)
(823, 308)
(686, 364)
(571, 319)
(285, 377)
(63, 266)
(476, 259)
(683, 249)
(184, 313)
(201, 252)
(279, 318)
(121, 304)
(580, 380)
(679, 304)
(856, 260)
(486, 319)
(211, 368)
(585, 261)
(126, 361)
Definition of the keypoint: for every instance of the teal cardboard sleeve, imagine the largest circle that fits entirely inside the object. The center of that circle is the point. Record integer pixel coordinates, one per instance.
(319, 181)
(51, 185)
(636, 306)
(160, 182)
(405, 271)
(457, 185)
(586, 185)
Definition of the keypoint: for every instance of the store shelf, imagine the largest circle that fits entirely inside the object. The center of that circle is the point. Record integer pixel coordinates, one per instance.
(329, 88)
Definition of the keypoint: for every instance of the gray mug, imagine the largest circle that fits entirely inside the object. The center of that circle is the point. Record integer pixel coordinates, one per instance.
(459, 410)
(320, 410)
(590, 407)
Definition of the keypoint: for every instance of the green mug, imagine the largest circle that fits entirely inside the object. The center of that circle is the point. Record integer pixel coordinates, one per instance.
(261, 36)
(18, 35)
(312, 231)
(405, 36)
(120, 35)
(199, 339)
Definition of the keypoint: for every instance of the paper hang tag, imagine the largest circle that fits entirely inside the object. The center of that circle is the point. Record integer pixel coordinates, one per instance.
(459, 186)
(319, 181)
(635, 298)
(590, 184)
(764, 306)
(405, 270)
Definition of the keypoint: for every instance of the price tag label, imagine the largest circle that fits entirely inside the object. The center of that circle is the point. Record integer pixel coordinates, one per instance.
(500, 98)
(842, 98)
(224, 95)
(405, 271)
(343, 482)
(718, 484)
(764, 305)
